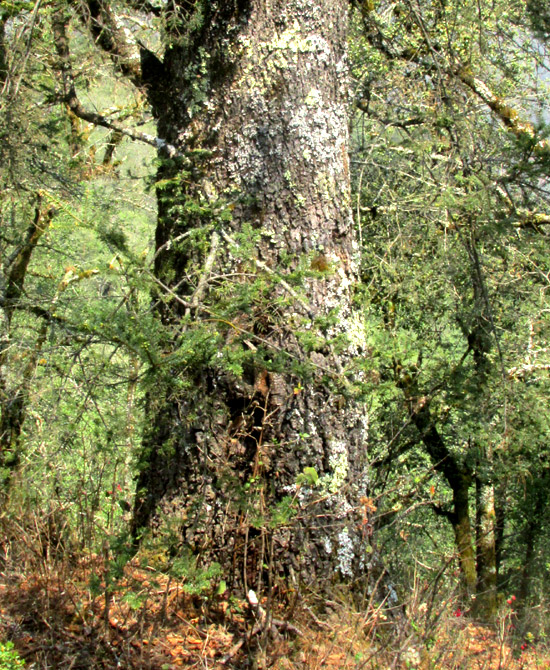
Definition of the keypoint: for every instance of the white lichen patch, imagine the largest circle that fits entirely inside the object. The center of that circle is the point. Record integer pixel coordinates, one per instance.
(345, 553)
(268, 58)
(320, 46)
(320, 127)
(355, 332)
(133, 54)
(333, 481)
(314, 98)
(292, 40)
(249, 165)
(364, 421)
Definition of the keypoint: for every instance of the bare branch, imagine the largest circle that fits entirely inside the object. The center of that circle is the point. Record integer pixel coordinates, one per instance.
(70, 98)
(507, 115)
(113, 37)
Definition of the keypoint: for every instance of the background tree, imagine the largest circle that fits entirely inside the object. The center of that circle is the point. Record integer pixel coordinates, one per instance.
(448, 195)
(72, 287)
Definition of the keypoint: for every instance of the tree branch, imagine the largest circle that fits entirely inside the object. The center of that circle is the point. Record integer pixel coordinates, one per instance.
(527, 218)
(507, 115)
(70, 98)
(113, 37)
(446, 513)
(19, 260)
(363, 106)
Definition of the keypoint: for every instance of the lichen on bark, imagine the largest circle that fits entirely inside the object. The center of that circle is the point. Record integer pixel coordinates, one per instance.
(268, 138)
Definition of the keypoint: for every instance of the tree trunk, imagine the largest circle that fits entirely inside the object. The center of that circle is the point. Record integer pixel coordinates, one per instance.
(480, 341)
(463, 532)
(261, 461)
(14, 397)
(500, 521)
(537, 503)
(3, 62)
(486, 589)
(458, 476)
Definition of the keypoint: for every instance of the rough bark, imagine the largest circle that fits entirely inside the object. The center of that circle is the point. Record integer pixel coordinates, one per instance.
(258, 103)
(463, 532)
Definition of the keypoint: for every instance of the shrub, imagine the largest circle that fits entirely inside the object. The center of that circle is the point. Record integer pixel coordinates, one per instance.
(9, 658)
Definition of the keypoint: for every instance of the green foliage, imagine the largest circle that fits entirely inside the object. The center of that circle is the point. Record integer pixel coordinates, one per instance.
(283, 512)
(9, 658)
(197, 580)
(451, 209)
(308, 477)
(75, 332)
(448, 309)
(539, 15)
(134, 600)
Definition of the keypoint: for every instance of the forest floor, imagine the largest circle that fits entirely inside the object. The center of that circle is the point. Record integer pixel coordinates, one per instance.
(62, 618)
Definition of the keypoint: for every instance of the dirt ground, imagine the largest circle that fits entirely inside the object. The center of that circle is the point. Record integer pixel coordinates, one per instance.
(67, 619)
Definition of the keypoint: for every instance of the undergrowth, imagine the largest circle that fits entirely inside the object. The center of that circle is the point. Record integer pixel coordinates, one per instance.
(63, 606)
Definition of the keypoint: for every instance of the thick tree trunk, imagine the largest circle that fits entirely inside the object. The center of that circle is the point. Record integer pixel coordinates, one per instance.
(262, 461)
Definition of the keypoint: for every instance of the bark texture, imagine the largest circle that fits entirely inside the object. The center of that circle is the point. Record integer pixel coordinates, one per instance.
(258, 105)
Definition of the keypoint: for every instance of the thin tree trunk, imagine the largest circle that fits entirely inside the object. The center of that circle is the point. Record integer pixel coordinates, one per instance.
(458, 476)
(500, 518)
(14, 399)
(486, 589)
(463, 533)
(3, 60)
(531, 535)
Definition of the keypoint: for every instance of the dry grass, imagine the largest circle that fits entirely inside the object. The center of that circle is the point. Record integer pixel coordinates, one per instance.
(55, 619)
